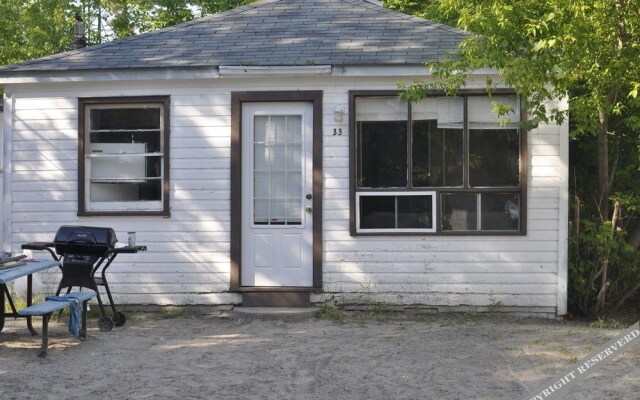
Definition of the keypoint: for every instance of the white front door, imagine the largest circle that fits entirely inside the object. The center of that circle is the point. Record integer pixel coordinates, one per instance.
(277, 225)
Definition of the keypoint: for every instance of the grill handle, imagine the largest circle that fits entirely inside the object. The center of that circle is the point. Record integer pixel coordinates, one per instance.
(40, 246)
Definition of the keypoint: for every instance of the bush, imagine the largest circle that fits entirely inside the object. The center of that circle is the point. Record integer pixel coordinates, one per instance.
(603, 268)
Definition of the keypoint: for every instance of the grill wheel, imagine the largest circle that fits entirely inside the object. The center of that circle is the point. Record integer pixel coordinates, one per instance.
(105, 324)
(119, 319)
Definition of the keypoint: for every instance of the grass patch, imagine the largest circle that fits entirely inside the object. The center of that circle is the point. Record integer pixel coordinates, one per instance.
(94, 312)
(381, 312)
(494, 304)
(471, 315)
(331, 313)
(20, 303)
(568, 354)
(540, 342)
(172, 311)
(372, 312)
(602, 323)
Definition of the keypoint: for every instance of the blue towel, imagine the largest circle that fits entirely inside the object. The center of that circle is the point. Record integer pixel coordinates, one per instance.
(75, 314)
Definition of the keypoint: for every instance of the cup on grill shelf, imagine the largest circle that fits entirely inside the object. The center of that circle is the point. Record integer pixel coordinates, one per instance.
(131, 238)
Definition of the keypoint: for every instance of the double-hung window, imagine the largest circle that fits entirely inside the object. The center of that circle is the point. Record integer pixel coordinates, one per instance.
(123, 156)
(444, 165)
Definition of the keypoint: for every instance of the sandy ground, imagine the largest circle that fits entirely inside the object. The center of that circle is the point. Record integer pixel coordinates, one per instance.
(158, 356)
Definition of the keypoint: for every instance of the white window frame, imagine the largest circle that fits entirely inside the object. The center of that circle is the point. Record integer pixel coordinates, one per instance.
(434, 215)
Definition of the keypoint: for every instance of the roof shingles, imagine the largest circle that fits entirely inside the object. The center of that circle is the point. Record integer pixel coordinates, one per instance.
(271, 33)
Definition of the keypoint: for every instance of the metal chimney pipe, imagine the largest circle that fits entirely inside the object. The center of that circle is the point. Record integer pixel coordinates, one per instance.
(80, 39)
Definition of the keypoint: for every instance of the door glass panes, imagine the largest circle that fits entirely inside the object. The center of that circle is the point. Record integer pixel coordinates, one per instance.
(277, 170)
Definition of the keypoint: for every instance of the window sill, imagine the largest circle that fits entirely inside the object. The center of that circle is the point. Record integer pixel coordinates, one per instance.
(442, 234)
(164, 214)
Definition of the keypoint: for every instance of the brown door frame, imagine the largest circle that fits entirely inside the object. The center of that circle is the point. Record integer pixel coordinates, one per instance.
(237, 98)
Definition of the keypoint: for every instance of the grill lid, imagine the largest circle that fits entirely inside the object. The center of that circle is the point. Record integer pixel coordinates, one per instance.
(84, 240)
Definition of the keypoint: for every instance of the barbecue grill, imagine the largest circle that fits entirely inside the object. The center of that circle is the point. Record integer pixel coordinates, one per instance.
(85, 253)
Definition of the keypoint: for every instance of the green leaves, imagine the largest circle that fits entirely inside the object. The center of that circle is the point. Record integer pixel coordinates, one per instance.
(30, 29)
(591, 246)
(635, 89)
(35, 28)
(565, 45)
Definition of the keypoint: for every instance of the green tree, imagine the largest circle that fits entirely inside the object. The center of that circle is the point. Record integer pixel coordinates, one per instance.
(31, 29)
(215, 6)
(584, 49)
(129, 17)
(35, 28)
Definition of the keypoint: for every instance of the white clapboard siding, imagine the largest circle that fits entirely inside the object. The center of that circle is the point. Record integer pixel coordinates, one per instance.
(124, 288)
(45, 144)
(449, 299)
(426, 256)
(436, 280)
(368, 246)
(180, 299)
(46, 166)
(193, 277)
(441, 267)
(351, 287)
(188, 259)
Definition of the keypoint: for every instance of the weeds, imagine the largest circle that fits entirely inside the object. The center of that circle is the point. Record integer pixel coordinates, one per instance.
(471, 314)
(602, 323)
(540, 342)
(568, 354)
(172, 311)
(494, 304)
(381, 312)
(331, 312)
(20, 303)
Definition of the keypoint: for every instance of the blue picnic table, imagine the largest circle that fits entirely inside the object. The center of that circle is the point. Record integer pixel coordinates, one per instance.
(28, 268)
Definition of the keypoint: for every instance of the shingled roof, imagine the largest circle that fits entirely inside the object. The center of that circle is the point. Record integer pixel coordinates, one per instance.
(270, 33)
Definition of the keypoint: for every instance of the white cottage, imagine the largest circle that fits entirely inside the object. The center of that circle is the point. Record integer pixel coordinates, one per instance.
(264, 157)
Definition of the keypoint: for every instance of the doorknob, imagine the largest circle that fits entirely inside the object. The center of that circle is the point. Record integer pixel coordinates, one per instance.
(308, 209)
(308, 196)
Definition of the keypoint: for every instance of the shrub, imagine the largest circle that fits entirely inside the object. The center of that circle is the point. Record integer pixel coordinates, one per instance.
(604, 269)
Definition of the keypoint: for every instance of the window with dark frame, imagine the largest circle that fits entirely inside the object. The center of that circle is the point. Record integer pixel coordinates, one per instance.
(446, 164)
(123, 156)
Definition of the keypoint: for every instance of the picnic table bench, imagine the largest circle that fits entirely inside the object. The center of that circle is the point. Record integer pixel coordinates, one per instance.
(12, 269)
(49, 306)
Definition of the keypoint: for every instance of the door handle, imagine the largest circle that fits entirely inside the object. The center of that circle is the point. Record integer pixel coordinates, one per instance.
(308, 196)
(308, 209)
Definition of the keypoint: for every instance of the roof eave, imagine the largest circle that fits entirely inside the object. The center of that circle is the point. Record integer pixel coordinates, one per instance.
(226, 71)
(120, 74)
